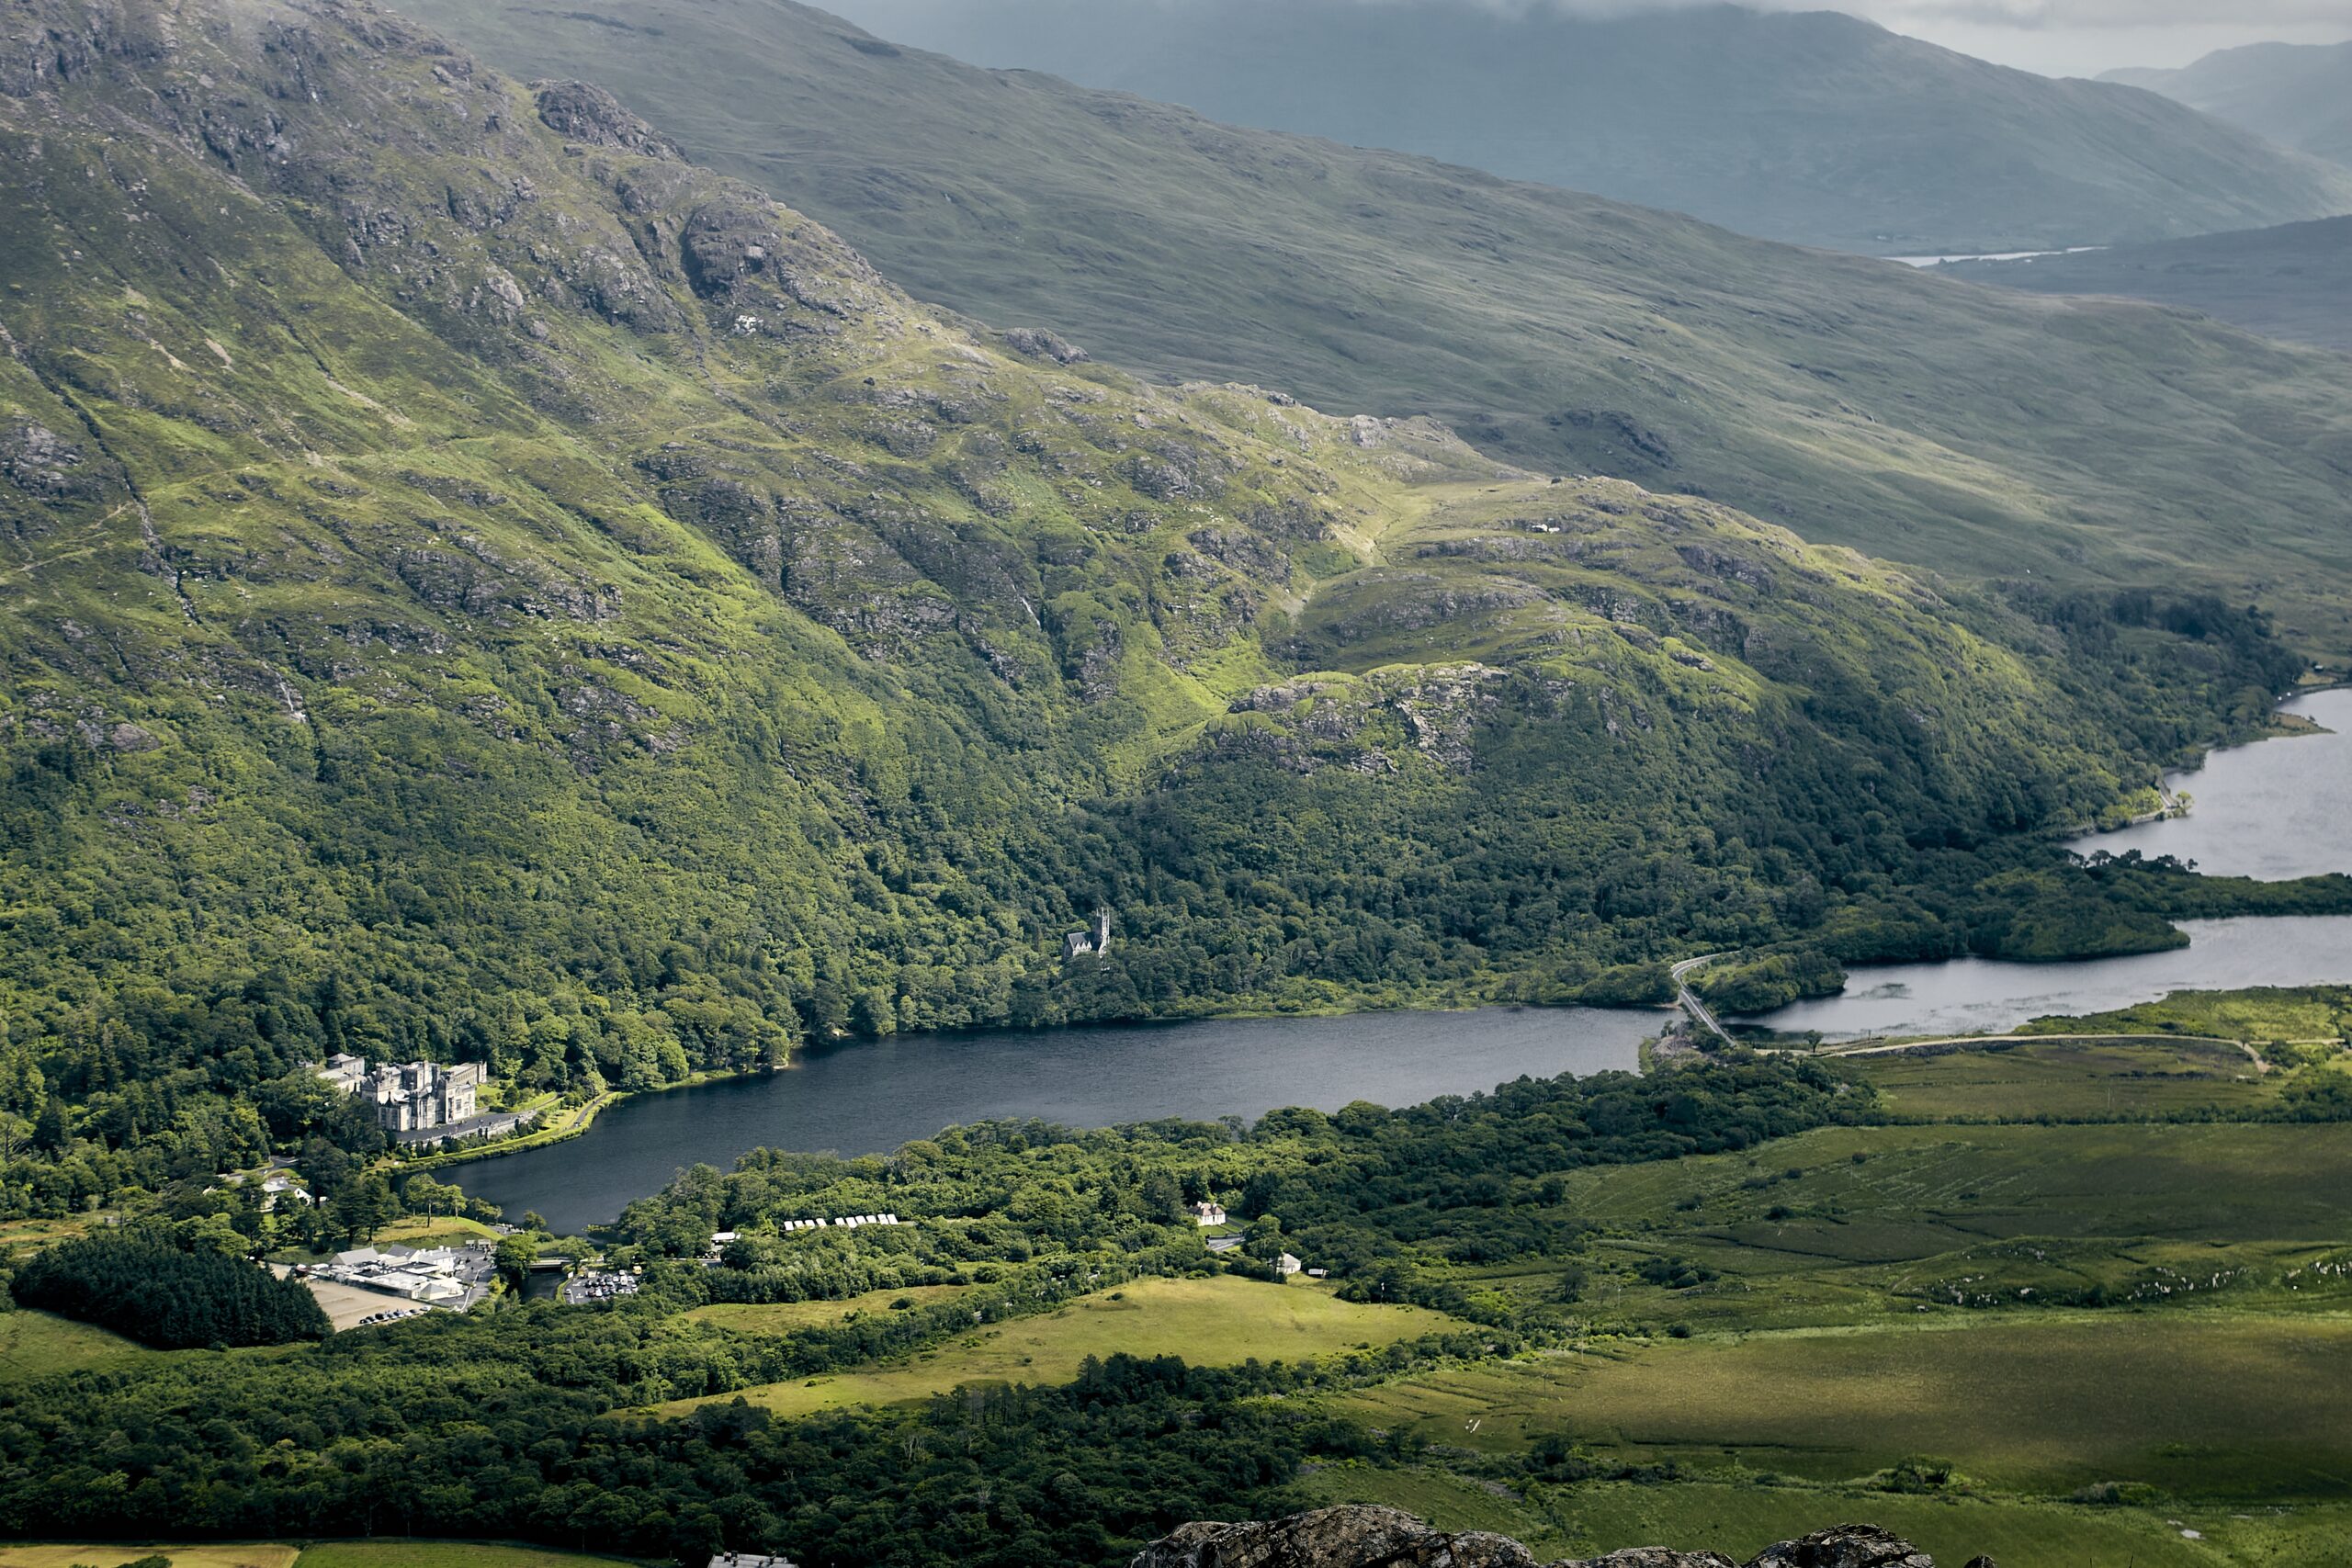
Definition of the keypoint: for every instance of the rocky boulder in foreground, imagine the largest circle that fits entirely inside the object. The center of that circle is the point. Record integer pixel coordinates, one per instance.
(1361, 1536)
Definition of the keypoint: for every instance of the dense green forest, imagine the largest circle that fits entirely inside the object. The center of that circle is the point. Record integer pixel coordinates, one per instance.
(495, 1422)
(152, 1287)
(1545, 1228)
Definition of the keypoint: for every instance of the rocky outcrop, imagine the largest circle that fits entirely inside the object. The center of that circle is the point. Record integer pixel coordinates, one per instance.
(585, 113)
(38, 461)
(1352, 1537)
(1039, 344)
(1363, 1535)
(1848, 1546)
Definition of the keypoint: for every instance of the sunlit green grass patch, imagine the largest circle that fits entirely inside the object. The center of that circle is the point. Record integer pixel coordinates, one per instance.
(1218, 1321)
(782, 1317)
(40, 1344)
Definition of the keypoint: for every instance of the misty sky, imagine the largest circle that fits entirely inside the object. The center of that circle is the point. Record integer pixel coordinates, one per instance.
(2086, 37)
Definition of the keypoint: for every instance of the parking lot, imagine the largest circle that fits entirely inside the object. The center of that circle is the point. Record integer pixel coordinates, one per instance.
(347, 1304)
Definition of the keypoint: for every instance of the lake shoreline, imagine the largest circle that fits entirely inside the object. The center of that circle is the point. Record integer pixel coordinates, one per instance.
(2260, 811)
(868, 1095)
(874, 1096)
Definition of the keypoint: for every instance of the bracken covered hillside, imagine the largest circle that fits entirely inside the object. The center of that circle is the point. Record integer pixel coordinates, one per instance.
(473, 582)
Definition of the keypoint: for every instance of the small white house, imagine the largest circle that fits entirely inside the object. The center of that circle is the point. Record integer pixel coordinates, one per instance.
(1209, 1213)
(1286, 1266)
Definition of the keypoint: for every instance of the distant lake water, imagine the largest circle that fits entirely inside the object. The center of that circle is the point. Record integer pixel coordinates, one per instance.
(1969, 995)
(1994, 256)
(871, 1096)
(2276, 809)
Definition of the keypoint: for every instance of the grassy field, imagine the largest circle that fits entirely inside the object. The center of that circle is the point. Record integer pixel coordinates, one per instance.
(434, 1555)
(2261, 1013)
(32, 1234)
(1215, 1321)
(1865, 1224)
(782, 1317)
(2069, 1079)
(38, 1345)
(1912, 1191)
(2214, 1405)
(1821, 1282)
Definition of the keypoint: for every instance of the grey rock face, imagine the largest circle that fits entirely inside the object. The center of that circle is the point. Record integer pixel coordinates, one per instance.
(1354, 1536)
(587, 113)
(1363, 1535)
(1846, 1546)
(37, 460)
(1039, 344)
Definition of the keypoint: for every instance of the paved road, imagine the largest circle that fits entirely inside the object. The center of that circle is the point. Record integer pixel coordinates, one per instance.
(1689, 999)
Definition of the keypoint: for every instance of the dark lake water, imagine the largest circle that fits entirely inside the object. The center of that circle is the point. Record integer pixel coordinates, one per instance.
(2276, 809)
(871, 1096)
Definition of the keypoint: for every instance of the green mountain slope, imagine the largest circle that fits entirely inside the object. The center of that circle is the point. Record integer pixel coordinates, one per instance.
(1973, 432)
(2292, 282)
(1811, 127)
(473, 582)
(2297, 95)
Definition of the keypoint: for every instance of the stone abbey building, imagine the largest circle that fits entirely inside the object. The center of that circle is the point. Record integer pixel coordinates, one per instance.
(411, 1097)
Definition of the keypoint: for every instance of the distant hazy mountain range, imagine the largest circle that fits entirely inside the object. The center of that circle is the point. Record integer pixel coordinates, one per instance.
(2294, 281)
(2297, 94)
(1815, 127)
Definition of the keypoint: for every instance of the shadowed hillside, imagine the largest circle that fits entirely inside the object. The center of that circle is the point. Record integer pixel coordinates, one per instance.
(2293, 282)
(1978, 432)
